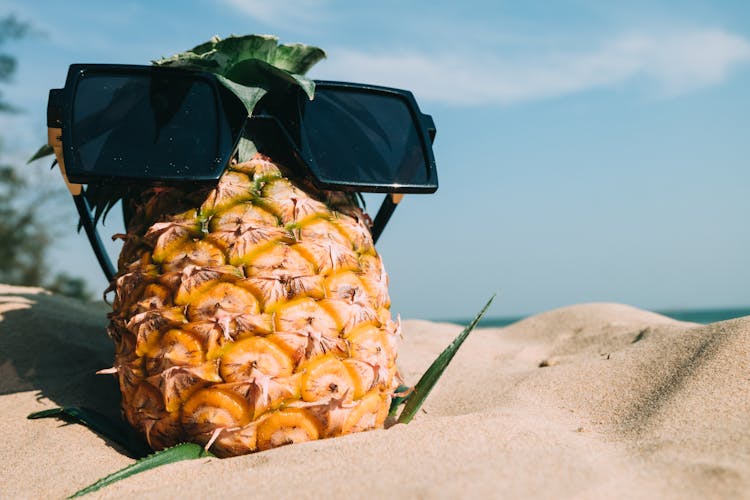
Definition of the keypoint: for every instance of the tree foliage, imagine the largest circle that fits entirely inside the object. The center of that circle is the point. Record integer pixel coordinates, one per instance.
(10, 29)
(24, 238)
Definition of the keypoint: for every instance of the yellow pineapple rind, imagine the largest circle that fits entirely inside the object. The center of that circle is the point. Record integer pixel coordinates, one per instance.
(257, 317)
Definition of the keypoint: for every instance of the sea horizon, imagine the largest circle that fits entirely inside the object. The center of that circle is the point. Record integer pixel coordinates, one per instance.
(702, 316)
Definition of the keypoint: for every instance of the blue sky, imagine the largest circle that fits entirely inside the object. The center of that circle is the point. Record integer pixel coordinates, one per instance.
(587, 150)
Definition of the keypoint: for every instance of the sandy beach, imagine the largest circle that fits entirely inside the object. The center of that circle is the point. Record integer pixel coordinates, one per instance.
(588, 401)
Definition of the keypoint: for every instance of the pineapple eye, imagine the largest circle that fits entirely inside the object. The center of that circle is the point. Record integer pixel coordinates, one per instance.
(245, 357)
(326, 378)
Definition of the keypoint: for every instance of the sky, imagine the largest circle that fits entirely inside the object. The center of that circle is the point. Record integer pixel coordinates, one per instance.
(587, 151)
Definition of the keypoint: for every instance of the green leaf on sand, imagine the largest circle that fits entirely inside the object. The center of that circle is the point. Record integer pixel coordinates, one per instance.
(178, 453)
(434, 372)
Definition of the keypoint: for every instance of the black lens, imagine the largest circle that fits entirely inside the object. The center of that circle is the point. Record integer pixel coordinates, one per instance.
(361, 137)
(148, 124)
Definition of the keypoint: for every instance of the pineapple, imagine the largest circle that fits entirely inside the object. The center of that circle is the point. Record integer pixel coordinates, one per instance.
(257, 318)
(251, 314)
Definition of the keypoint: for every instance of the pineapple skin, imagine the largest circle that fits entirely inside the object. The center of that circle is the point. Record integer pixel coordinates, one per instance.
(251, 315)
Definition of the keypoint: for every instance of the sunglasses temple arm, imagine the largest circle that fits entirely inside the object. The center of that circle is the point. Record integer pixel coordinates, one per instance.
(93, 235)
(54, 139)
(384, 214)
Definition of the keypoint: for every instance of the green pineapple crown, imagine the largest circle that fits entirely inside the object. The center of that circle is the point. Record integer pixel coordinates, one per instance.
(251, 65)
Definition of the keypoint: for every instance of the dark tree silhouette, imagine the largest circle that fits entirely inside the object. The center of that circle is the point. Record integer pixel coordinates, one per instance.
(24, 238)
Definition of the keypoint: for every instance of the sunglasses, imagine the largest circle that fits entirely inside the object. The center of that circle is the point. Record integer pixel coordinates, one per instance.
(151, 125)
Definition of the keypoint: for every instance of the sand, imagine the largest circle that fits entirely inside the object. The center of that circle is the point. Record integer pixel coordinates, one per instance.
(587, 401)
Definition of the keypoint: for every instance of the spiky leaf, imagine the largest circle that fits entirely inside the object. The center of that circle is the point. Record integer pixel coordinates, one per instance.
(294, 58)
(255, 73)
(436, 369)
(246, 148)
(248, 95)
(178, 453)
(241, 48)
(205, 46)
(297, 58)
(254, 61)
(45, 150)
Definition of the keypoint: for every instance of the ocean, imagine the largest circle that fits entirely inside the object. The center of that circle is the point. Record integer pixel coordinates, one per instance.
(702, 316)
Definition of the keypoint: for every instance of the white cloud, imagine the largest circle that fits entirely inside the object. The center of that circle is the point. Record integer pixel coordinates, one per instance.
(677, 63)
(278, 13)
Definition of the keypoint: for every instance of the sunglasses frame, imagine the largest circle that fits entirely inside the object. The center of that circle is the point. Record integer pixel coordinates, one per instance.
(262, 122)
(230, 124)
(265, 119)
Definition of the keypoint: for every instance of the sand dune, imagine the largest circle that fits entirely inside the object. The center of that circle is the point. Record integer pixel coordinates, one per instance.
(588, 401)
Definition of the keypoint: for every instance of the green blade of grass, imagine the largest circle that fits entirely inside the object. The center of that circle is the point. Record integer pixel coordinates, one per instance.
(178, 453)
(435, 371)
(114, 430)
